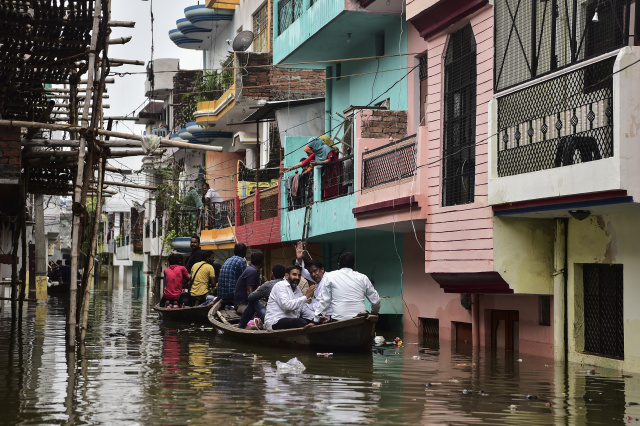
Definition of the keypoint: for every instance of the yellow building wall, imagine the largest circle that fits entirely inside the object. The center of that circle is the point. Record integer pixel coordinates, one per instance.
(523, 253)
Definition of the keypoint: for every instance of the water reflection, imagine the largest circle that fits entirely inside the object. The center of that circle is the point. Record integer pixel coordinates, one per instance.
(137, 369)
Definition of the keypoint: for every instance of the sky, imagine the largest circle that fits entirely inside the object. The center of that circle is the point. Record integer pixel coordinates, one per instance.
(127, 95)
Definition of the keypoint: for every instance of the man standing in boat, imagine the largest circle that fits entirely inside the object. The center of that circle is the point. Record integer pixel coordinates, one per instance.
(286, 302)
(344, 292)
(196, 253)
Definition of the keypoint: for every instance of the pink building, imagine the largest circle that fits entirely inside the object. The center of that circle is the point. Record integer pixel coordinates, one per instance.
(475, 284)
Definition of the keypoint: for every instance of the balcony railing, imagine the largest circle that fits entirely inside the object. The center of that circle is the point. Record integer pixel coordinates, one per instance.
(337, 178)
(220, 216)
(247, 209)
(389, 163)
(558, 122)
(269, 203)
(288, 12)
(185, 222)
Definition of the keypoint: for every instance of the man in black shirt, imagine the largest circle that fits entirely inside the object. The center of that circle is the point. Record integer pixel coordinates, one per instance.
(196, 253)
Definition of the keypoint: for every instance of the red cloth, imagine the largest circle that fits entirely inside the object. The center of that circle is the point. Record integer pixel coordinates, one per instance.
(331, 176)
(308, 160)
(174, 276)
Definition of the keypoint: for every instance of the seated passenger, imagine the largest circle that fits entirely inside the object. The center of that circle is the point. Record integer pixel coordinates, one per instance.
(345, 290)
(286, 302)
(248, 281)
(175, 277)
(203, 278)
(255, 305)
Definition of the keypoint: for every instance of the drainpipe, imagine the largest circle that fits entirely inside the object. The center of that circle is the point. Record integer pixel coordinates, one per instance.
(560, 291)
(475, 321)
(328, 99)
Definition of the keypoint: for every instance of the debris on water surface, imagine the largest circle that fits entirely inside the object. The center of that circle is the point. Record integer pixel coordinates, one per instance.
(292, 366)
(325, 354)
(531, 397)
(519, 359)
(588, 372)
(387, 360)
(513, 407)
(453, 380)
(378, 340)
(631, 404)
(416, 357)
(376, 384)
(465, 392)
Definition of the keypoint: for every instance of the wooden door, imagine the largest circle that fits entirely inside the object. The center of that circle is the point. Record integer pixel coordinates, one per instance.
(504, 329)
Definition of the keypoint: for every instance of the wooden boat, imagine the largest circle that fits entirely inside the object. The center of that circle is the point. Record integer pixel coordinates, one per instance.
(190, 314)
(58, 287)
(352, 335)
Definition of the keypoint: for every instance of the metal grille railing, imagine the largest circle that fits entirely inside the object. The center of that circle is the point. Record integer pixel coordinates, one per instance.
(147, 229)
(533, 38)
(389, 163)
(160, 225)
(269, 203)
(603, 310)
(559, 122)
(220, 215)
(247, 209)
(459, 153)
(288, 12)
(261, 29)
(430, 332)
(153, 228)
(337, 178)
(185, 222)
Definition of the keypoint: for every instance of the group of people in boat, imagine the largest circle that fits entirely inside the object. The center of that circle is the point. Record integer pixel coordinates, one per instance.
(298, 295)
(57, 272)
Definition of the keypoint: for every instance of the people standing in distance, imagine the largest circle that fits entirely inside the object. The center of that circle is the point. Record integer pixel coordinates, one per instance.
(255, 305)
(286, 302)
(248, 281)
(230, 272)
(344, 292)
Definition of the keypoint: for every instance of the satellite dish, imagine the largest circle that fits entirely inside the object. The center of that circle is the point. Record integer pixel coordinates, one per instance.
(242, 41)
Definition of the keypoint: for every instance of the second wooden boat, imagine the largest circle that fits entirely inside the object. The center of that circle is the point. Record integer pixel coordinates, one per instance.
(189, 314)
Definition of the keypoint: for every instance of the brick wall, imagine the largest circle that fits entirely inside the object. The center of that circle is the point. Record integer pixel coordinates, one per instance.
(10, 155)
(385, 124)
(184, 83)
(275, 83)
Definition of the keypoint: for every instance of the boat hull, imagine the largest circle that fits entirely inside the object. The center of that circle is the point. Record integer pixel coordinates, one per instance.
(190, 314)
(352, 335)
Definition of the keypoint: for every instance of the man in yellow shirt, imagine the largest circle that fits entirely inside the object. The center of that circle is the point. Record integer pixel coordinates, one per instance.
(204, 277)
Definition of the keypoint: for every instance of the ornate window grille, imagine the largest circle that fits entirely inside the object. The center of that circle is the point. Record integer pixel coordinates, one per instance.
(533, 38)
(603, 310)
(559, 122)
(389, 163)
(288, 12)
(424, 73)
(459, 149)
(261, 30)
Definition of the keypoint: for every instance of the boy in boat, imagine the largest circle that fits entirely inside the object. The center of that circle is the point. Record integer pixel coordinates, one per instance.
(286, 302)
(175, 277)
(345, 291)
(255, 305)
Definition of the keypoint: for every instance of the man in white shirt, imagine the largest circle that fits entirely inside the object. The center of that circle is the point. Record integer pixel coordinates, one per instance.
(210, 200)
(286, 302)
(316, 273)
(345, 290)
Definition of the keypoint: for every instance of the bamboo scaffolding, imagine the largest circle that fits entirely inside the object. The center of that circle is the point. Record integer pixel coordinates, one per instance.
(163, 141)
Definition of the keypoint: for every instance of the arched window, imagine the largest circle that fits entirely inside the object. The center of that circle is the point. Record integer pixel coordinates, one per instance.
(459, 144)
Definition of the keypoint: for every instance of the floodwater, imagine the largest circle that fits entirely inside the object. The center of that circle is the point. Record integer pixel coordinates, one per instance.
(139, 370)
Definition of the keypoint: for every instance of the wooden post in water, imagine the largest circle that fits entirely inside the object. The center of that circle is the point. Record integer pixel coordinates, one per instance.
(79, 208)
(41, 247)
(23, 230)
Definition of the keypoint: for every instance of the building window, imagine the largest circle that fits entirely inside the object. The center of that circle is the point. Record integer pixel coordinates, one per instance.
(459, 150)
(430, 331)
(563, 33)
(261, 29)
(423, 67)
(288, 12)
(603, 310)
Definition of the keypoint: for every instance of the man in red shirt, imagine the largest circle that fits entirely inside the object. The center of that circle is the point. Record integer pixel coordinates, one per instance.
(175, 277)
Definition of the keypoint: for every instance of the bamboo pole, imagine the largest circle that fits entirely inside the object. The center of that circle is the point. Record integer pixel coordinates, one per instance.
(77, 190)
(76, 143)
(23, 228)
(83, 129)
(14, 271)
(89, 270)
(129, 185)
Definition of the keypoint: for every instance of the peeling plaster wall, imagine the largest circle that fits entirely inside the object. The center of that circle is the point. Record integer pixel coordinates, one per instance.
(523, 253)
(610, 239)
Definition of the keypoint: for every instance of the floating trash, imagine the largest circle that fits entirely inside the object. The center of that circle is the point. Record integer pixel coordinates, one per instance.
(376, 384)
(378, 340)
(292, 366)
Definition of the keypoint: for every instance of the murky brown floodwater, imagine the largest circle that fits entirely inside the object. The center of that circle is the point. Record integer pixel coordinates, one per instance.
(138, 370)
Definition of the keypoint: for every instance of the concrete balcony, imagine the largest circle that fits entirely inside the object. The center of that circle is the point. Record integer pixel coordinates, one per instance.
(258, 218)
(567, 141)
(307, 30)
